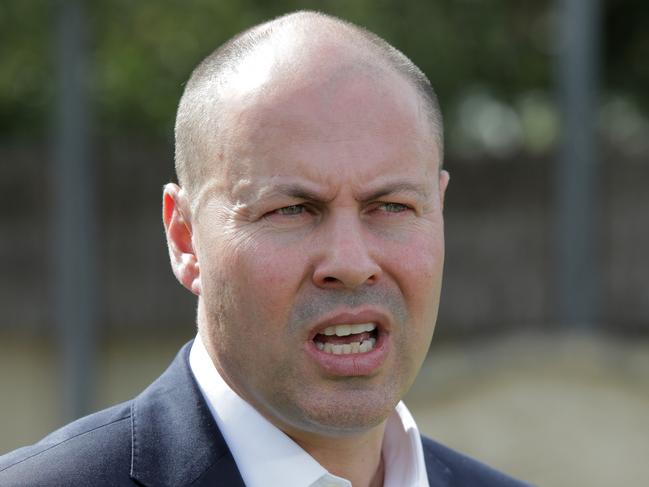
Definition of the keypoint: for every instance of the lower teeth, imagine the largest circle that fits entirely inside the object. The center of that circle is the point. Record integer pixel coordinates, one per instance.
(347, 348)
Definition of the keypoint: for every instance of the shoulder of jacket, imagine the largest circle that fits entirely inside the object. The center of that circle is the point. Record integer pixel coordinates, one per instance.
(463, 470)
(100, 442)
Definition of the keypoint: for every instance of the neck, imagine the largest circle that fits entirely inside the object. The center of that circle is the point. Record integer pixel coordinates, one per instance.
(356, 458)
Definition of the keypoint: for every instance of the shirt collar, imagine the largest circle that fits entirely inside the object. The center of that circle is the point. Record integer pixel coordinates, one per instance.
(267, 456)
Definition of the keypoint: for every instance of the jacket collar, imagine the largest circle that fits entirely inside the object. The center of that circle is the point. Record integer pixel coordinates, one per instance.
(174, 438)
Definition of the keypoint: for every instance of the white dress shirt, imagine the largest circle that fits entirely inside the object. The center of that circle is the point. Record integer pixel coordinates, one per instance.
(267, 456)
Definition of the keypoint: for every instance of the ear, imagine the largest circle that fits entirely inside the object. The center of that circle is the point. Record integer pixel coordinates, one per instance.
(444, 178)
(184, 262)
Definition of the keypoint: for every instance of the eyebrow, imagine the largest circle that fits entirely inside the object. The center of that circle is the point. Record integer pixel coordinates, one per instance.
(298, 191)
(419, 190)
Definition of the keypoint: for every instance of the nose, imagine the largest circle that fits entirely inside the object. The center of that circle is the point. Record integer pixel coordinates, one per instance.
(345, 259)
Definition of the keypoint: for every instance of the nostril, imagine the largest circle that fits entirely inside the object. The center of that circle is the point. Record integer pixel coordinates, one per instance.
(330, 279)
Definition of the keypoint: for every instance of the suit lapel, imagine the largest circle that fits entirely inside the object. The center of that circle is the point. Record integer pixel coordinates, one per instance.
(439, 474)
(174, 438)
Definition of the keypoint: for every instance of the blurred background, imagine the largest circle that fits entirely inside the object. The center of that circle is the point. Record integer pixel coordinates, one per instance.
(540, 363)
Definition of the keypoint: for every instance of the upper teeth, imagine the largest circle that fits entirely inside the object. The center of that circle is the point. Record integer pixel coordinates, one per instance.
(344, 330)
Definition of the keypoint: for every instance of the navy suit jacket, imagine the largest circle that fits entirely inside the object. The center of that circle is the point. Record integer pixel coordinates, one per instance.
(167, 437)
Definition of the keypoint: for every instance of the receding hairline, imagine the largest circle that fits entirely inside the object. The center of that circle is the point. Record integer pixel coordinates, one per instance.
(197, 122)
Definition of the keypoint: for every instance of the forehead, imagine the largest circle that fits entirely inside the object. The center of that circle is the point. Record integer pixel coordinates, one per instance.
(347, 124)
(349, 116)
(343, 105)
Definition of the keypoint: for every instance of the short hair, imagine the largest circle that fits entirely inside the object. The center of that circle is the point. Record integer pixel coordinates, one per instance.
(197, 120)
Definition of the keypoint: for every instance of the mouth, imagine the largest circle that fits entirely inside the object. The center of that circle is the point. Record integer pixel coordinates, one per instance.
(346, 339)
(351, 344)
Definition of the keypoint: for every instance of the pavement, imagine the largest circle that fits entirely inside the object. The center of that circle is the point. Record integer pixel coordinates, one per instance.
(555, 410)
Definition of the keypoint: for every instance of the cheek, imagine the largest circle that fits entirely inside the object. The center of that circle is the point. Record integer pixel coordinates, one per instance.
(265, 278)
(418, 272)
(418, 264)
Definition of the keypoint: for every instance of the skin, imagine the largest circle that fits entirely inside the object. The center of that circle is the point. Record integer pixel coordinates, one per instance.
(326, 196)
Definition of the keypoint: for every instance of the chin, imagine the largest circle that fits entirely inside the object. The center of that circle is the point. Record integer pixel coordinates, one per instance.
(349, 426)
(343, 416)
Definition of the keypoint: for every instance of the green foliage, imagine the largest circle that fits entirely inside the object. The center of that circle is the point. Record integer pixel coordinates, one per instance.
(145, 51)
(627, 49)
(26, 66)
(142, 51)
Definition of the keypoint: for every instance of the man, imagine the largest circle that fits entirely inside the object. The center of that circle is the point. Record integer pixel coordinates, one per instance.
(308, 221)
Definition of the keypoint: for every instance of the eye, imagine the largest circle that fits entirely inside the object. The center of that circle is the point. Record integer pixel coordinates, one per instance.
(291, 216)
(291, 210)
(393, 207)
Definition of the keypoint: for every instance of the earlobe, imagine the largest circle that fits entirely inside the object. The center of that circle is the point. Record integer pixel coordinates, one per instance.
(178, 229)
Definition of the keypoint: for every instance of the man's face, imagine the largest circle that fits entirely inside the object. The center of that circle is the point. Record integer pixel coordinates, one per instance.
(325, 209)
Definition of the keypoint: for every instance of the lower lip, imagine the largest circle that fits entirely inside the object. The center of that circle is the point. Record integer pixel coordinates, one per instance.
(353, 364)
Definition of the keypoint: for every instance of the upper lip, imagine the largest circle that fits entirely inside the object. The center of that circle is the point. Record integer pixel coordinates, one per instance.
(351, 317)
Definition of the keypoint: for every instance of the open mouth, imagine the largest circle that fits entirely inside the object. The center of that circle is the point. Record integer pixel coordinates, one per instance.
(345, 339)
